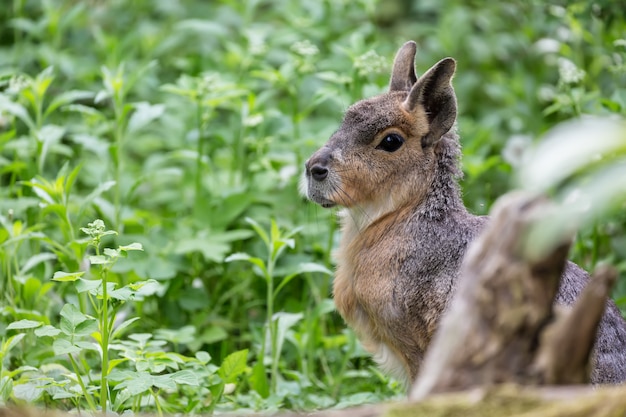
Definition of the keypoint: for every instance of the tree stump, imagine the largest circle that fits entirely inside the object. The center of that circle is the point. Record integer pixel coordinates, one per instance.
(502, 326)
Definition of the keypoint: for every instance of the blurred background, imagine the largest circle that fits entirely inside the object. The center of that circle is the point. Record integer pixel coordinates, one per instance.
(184, 125)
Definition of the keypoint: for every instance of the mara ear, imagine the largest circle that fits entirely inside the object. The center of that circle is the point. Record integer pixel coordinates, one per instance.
(403, 73)
(434, 91)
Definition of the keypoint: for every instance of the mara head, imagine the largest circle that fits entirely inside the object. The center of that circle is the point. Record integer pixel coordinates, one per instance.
(384, 153)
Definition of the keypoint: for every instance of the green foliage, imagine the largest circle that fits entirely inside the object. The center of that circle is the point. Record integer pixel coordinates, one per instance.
(184, 126)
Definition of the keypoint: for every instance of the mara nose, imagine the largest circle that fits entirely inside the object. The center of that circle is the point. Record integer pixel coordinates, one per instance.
(318, 172)
(317, 166)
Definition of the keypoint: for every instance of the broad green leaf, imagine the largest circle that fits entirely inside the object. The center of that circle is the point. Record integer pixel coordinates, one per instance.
(67, 276)
(164, 381)
(203, 357)
(86, 328)
(185, 377)
(84, 285)
(139, 383)
(71, 317)
(258, 379)
(111, 253)
(28, 392)
(62, 346)
(47, 330)
(24, 324)
(99, 260)
(132, 246)
(233, 366)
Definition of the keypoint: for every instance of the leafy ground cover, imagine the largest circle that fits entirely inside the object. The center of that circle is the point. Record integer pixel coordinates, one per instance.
(155, 253)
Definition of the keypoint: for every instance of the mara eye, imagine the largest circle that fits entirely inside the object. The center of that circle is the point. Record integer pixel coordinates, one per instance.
(391, 143)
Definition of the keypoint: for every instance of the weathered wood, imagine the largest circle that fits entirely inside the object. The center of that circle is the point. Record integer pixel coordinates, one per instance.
(503, 303)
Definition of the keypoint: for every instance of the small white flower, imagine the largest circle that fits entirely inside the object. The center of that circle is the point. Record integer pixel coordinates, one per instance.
(370, 63)
(305, 48)
(569, 73)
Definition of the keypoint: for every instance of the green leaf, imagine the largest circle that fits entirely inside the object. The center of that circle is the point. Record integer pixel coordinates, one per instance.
(67, 276)
(86, 328)
(71, 317)
(211, 250)
(139, 383)
(36, 260)
(24, 324)
(119, 330)
(99, 260)
(258, 380)
(132, 246)
(305, 267)
(259, 230)
(144, 114)
(203, 357)
(240, 256)
(233, 366)
(62, 346)
(29, 392)
(164, 382)
(84, 285)
(11, 343)
(186, 377)
(47, 330)
(111, 253)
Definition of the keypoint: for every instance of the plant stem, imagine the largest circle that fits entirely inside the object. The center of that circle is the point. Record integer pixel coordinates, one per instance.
(270, 318)
(88, 397)
(104, 326)
(199, 150)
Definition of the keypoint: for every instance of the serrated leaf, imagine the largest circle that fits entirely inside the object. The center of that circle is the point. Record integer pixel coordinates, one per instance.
(67, 276)
(233, 365)
(24, 324)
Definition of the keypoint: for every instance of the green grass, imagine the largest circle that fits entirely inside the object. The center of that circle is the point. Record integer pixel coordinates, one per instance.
(181, 127)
